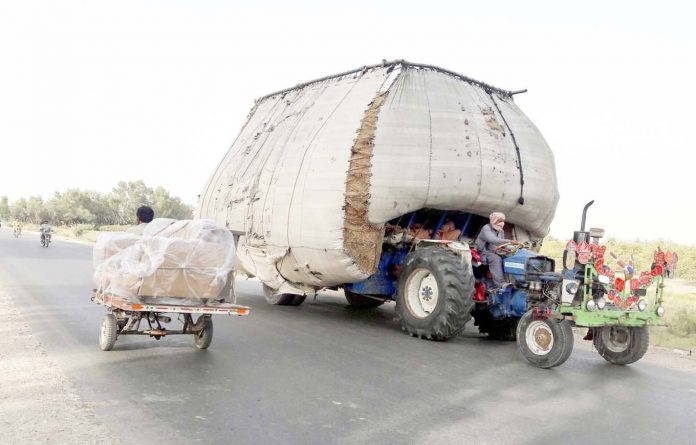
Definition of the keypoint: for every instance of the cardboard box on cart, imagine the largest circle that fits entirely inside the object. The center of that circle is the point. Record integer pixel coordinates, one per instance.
(187, 269)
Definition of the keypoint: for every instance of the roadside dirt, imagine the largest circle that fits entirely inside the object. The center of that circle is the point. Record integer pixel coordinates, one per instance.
(37, 402)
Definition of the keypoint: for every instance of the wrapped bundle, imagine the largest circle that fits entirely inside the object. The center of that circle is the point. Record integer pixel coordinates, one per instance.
(319, 169)
(181, 260)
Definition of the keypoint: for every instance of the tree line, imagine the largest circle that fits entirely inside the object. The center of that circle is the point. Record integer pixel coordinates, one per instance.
(76, 206)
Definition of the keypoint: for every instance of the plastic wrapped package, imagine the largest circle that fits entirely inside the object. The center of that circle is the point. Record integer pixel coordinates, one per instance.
(183, 265)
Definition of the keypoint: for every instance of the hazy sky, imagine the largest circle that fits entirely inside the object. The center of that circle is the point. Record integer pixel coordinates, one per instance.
(95, 92)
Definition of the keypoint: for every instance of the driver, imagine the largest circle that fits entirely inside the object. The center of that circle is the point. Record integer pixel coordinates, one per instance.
(17, 225)
(490, 237)
(45, 230)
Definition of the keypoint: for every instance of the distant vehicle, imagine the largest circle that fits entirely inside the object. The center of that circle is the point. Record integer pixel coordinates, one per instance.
(46, 237)
(17, 232)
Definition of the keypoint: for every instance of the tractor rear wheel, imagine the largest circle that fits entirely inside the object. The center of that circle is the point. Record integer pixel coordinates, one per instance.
(434, 296)
(621, 345)
(359, 301)
(544, 342)
(282, 299)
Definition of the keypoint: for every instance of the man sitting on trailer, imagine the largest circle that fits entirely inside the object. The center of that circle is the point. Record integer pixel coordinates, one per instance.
(490, 237)
(448, 232)
(144, 215)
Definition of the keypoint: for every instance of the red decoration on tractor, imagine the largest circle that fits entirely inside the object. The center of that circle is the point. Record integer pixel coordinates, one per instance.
(645, 278)
(659, 257)
(619, 285)
(657, 270)
(584, 252)
(635, 284)
(598, 263)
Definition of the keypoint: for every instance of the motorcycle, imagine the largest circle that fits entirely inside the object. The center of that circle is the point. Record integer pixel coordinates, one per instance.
(45, 239)
(17, 232)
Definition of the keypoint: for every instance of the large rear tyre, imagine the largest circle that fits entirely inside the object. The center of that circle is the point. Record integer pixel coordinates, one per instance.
(108, 332)
(205, 336)
(434, 296)
(282, 299)
(621, 345)
(544, 342)
(361, 301)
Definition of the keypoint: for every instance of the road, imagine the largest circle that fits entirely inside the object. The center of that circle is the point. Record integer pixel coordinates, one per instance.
(323, 373)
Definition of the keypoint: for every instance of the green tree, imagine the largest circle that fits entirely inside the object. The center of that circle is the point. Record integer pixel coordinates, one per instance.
(4, 207)
(72, 207)
(19, 209)
(167, 206)
(35, 209)
(128, 197)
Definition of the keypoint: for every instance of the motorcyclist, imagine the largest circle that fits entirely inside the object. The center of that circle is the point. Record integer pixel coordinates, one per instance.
(45, 230)
(17, 227)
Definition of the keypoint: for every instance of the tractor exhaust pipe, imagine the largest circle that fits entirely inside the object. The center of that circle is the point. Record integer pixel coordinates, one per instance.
(584, 215)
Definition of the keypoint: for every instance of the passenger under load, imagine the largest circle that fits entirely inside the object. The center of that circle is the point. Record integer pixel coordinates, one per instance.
(422, 224)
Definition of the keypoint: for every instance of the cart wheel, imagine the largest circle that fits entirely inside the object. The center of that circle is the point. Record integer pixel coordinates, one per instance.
(107, 335)
(205, 336)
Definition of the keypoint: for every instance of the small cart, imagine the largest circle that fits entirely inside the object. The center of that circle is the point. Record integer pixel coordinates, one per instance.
(124, 318)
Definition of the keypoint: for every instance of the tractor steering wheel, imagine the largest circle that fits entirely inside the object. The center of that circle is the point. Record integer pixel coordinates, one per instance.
(508, 249)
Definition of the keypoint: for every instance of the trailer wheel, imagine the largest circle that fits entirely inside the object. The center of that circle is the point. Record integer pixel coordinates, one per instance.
(621, 345)
(361, 301)
(204, 337)
(108, 332)
(282, 299)
(434, 296)
(544, 342)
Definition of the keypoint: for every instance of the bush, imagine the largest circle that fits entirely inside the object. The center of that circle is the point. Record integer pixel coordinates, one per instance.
(79, 229)
(113, 228)
(683, 323)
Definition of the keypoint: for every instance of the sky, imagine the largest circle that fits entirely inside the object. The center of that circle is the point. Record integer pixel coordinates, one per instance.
(96, 92)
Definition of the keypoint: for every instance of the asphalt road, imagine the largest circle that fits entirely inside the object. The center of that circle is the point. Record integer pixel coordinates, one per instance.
(323, 373)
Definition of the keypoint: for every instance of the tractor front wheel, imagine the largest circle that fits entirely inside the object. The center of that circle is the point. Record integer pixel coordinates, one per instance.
(621, 345)
(544, 342)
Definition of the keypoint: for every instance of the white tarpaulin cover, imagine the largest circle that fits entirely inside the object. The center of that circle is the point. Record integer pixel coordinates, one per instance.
(318, 169)
(173, 260)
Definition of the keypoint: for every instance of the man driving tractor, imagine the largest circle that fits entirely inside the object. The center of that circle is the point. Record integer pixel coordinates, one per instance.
(489, 239)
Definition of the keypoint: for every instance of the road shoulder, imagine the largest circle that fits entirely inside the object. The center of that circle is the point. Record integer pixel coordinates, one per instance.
(39, 405)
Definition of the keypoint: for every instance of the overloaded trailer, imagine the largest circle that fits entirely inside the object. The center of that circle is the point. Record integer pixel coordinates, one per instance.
(376, 181)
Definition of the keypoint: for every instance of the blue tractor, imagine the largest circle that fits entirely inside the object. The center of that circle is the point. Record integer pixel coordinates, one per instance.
(440, 284)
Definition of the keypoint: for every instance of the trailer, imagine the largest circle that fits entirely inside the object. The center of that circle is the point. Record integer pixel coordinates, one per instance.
(125, 317)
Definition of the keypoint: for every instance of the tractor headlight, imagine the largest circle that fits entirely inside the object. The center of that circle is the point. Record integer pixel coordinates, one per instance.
(591, 305)
(642, 304)
(660, 311)
(572, 287)
(601, 303)
(603, 279)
